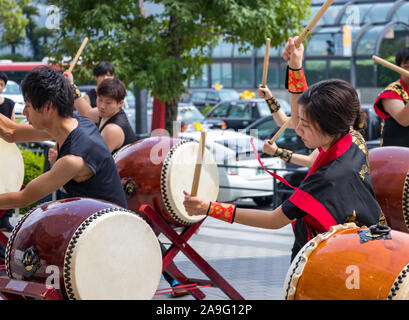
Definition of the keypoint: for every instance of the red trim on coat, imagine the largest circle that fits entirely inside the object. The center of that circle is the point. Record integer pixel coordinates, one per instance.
(318, 216)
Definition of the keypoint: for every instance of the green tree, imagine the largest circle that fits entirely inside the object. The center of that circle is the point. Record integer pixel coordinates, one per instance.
(161, 52)
(13, 22)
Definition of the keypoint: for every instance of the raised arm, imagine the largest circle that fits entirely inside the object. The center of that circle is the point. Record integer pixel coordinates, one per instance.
(83, 107)
(14, 132)
(398, 110)
(294, 56)
(278, 114)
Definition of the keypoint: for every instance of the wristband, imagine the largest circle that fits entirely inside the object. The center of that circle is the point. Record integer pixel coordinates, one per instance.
(273, 104)
(222, 211)
(295, 80)
(75, 91)
(283, 154)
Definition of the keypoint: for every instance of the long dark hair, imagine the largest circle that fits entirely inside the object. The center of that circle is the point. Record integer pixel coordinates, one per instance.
(334, 105)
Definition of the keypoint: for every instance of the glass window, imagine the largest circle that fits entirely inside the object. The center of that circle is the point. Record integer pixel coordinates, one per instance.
(272, 75)
(263, 108)
(402, 13)
(326, 42)
(315, 70)
(223, 50)
(220, 111)
(199, 95)
(340, 69)
(229, 95)
(212, 96)
(190, 115)
(378, 13)
(365, 73)
(238, 53)
(274, 51)
(222, 74)
(354, 14)
(329, 17)
(264, 130)
(240, 110)
(202, 80)
(242, 75)
(367, 43)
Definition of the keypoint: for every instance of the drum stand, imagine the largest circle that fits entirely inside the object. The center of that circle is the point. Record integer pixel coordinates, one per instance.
(179, 243)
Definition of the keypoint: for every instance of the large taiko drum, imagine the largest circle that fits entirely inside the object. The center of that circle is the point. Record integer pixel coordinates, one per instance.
(351, 263)
(389, 169)
(86, 249)
(156, 170)
(11, 168)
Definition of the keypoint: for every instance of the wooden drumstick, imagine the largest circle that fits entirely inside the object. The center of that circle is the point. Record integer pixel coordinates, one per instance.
(74, 62)
(199, 161)
(266, 59)
(279, 132)
(313, 22)
(391, 66)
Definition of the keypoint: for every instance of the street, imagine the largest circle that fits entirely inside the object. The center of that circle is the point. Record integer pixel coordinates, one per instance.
(253, 261)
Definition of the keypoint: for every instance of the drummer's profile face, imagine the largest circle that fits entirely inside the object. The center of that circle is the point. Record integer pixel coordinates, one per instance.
(310, 133)
(34, 117)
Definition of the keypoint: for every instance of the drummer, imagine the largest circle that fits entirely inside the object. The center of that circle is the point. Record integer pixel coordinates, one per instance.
(392, 106)
(84, 166)
(337, 188)
(109, 115)
(7, 109)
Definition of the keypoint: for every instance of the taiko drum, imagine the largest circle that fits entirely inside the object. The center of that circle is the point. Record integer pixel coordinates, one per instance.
(389, 170)
(351, 263)
(156, 170)
(86, 249)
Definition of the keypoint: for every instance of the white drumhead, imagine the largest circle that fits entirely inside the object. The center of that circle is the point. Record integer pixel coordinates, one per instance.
(177, 175)
(11, 168)
(113, 255)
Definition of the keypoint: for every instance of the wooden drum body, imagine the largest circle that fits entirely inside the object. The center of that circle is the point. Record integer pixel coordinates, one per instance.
(351, 263)
(86, 249)
(156, 170)
(389, 169)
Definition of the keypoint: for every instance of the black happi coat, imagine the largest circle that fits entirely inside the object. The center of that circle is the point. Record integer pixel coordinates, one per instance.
(392, 133)
(337, 190)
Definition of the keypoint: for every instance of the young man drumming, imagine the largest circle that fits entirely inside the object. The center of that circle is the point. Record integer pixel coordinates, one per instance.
(84, 166)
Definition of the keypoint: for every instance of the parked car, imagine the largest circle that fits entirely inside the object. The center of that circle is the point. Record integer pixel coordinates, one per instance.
(238, 114)
(240, 174)
(190, 118)
(266, 128)
(13, 92)
(202, 98)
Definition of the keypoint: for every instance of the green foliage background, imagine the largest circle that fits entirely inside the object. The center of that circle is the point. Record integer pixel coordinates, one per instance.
(33, 167)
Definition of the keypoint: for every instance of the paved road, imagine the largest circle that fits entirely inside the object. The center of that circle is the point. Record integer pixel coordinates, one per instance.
(254, 261)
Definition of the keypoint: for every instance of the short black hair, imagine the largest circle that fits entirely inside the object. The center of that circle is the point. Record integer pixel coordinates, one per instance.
(103, 68)
(4, 77)
(402, 56)
(45, 84)
(113, 88)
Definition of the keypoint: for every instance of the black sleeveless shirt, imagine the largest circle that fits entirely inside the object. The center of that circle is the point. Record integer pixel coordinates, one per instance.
(121, 120)
(92, 94)
(86, 142)
(6, 108)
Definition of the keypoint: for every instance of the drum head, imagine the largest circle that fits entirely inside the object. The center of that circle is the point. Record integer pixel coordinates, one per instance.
(177, 175)
(113, 255)
(12, 167)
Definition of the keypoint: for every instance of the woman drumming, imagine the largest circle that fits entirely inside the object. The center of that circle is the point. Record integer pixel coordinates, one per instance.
(337, 188)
